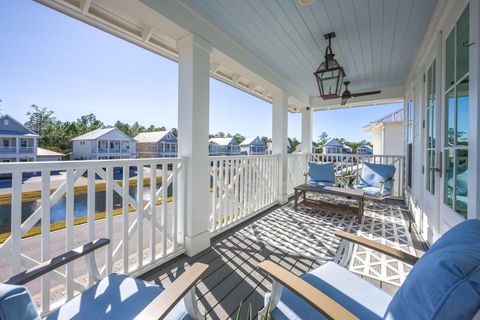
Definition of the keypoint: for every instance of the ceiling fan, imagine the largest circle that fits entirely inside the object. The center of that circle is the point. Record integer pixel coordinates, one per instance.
(347, 94)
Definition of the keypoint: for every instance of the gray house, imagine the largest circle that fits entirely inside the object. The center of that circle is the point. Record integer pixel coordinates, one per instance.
(159, 144)
(223, 147)
(17, 143)
(253, 146)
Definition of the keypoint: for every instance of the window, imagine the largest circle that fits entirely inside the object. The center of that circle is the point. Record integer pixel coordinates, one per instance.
(409, 139)
(456, 116)
(5, 122)
(430, 128)
(23, 143)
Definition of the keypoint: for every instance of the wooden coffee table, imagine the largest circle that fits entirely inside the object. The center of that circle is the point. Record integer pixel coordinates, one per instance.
(354, 194)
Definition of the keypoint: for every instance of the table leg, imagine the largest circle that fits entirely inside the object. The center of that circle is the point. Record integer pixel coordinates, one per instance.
(360, 209)
(296, 200)
(304, 196)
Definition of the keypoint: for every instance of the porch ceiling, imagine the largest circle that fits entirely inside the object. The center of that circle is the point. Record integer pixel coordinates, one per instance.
(377, 40)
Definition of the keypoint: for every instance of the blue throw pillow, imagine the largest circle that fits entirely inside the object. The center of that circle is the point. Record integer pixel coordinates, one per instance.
(373, 174)
(16, 303)
(321, 172)
(445, 282)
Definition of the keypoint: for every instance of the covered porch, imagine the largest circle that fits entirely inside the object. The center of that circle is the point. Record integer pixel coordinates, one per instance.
(231, 212)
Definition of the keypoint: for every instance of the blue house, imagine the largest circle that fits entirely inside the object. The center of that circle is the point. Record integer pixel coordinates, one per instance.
(253, 146)
(17, 143)
(335, 147)
(223, 147)
(364, 149)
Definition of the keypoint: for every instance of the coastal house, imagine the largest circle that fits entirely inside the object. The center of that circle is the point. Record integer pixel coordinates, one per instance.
(270, 147)
(333, 146)
(17, 142)
(253, 146)
(49, 155)
(233, 212)
(364, 149)
(387, 134)
(158, 144)
(103, 143)
(223, 147)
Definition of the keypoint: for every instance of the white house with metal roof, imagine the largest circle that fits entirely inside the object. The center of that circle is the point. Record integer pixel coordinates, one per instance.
(223, 147)
(387, 134)
(17, 142)
(364, 149)
(48, 155)
(253, 146)
(333, 146)
(103, 143)
(158, 144)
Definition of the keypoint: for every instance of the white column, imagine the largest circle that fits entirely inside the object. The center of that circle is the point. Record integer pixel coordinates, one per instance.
(280, 140)
(17, 145)
(307, 126)
(193, 127)
(473, 113)
(35, 146)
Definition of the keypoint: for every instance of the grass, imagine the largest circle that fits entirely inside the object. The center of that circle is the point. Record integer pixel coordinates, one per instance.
(30, 196)
(77, 221)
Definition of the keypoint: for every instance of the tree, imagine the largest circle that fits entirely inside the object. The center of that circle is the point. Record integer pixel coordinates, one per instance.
(293, 143)
(39, 119)
(238, 138)
(174, 132)
(266, 140)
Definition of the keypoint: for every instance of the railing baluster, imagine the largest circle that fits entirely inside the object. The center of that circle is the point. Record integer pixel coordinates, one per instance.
(45, 282)
(153, 208)
(164, 208)
(175, 207)
(109, 219)
(221, 217)
(214, 195)
(125, 218)
(16, 222)
(140, 216)
(69, 229)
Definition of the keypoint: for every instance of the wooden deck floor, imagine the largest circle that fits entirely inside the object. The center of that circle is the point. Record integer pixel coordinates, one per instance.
(232, 276)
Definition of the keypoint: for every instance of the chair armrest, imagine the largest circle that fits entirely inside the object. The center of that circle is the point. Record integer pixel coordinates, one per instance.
(317, 299)
(164, 303)
(392, 252)
(50, 265)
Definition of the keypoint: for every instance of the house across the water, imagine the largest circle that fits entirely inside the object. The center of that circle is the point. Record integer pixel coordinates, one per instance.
(104, 143)
(159, 144)
(253, 146)
(336, 147)
(364, 149)
(17, 142)
(223, 147)
(48, 155)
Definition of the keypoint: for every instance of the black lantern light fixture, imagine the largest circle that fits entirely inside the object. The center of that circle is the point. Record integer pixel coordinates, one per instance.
(329, 74)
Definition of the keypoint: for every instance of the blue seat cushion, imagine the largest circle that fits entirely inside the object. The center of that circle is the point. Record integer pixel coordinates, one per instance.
(320, 183)
(115, 297)
(355, 294)
(445, 282)
(16, 303)
(373, 174)
(372, 191)
(321, 172)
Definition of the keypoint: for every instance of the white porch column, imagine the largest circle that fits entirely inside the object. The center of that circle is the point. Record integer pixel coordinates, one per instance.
(193, 126)
(280, 140)
(35, 146)
(473, 113)
(17, 145)
(307, 124)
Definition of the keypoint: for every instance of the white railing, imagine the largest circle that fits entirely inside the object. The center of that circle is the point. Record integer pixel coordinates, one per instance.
(145, 230)
(25, 150)
(8, 150)
(351, 164)
(241, 186)
(297, 168)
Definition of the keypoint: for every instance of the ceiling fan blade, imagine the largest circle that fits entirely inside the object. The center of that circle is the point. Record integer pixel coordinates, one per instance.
(360, 94)
(344, 101)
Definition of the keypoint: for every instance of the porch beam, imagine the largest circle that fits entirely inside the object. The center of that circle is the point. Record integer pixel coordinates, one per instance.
(193, 125)
(474, 114)
(388, 95)
(280, 140)
(307, 124)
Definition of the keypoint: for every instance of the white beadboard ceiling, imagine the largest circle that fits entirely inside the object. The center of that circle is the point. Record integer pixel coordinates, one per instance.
(377, 40)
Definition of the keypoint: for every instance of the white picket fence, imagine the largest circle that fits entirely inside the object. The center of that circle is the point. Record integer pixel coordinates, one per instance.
(352, 164)
(146, 232)
(241, 187)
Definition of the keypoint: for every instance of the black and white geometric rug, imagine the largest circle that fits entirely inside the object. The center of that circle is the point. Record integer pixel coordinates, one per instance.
(310, 233)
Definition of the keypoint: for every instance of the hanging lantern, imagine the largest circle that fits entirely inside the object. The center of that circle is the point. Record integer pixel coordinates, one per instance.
(329, 74)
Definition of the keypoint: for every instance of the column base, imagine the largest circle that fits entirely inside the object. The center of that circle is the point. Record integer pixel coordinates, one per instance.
(282, 199)
(197, 243)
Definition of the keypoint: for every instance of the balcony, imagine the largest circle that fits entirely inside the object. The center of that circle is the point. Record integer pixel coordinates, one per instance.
(8, 150)
(112, 150)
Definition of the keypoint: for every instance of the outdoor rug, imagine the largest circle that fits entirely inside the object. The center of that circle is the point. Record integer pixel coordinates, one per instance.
(310, 233)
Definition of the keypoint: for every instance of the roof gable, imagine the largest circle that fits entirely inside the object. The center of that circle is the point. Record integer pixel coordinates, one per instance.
(223, 141)
(156, 136)
(106, 133)
(255, 141)
(9, 125)
(333, 143)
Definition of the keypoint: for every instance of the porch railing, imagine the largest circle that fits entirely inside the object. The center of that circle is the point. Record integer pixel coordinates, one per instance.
(8, 150)
(25, 150)
(140, 217)
(241, 186)
(297, 167)
(351, 164)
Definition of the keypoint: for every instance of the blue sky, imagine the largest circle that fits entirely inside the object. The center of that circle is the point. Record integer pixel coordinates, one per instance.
(54, 61)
